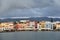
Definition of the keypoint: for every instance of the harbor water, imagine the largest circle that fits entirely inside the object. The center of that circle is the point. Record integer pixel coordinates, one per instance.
(30, 35)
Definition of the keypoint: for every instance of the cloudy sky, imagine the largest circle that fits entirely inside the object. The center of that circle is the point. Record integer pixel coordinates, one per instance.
(21, 8)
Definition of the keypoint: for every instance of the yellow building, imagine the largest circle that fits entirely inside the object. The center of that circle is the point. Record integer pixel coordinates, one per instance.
(7, 25)
(42, 24)
(57, 25)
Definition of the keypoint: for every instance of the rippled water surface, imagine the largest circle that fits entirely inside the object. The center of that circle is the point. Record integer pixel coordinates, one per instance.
(30, 35)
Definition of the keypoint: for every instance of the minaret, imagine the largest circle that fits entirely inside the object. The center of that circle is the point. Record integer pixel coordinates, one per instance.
(51, 19)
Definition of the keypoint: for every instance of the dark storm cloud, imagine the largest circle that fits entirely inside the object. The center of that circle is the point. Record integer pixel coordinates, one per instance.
(11, 8)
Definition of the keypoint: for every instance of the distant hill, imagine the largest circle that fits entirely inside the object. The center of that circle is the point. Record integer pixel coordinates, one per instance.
(29, 18)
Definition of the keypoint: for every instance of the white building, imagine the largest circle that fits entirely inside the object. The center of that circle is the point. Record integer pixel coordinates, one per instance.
(49, 25)
(32, 24)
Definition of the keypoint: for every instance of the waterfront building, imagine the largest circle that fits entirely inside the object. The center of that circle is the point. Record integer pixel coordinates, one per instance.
(7, 26)
(1, 28)
(24, 25)
(18, 26)
(42, 25)
(57, 25)
(32, 25)
(38, 26)
(49, 25)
